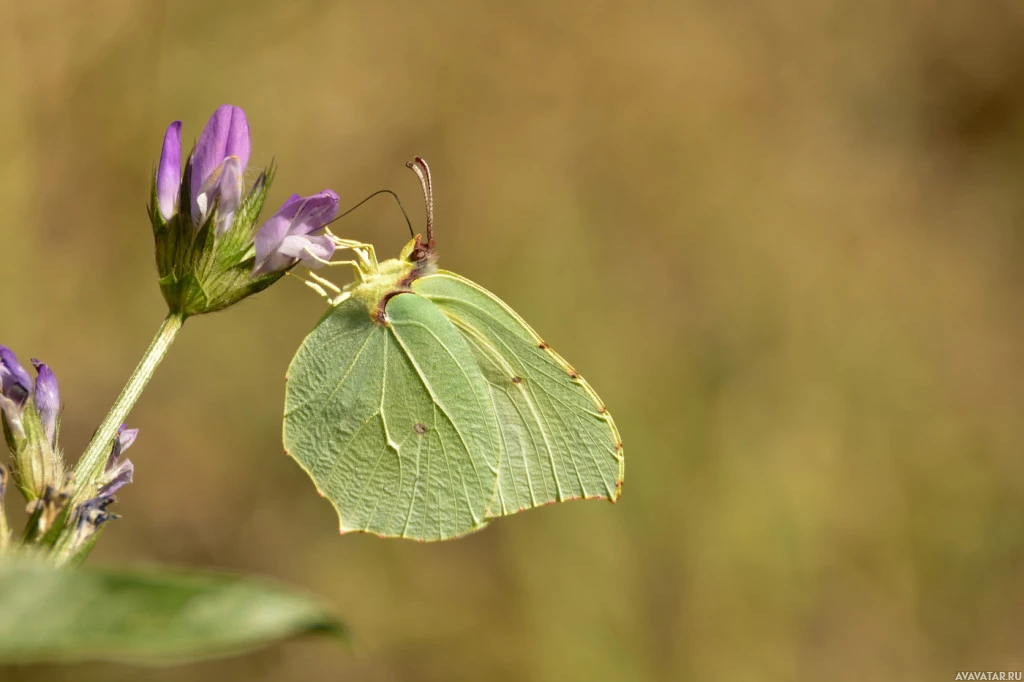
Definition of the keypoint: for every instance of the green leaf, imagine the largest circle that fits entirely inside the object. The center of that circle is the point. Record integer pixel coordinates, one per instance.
(445, 413)
(146, 615)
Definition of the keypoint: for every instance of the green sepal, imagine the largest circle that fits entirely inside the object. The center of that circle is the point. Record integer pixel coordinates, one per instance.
(204, 247)
(36, 463)
(9, 437)
(201, 272)
(155, 217)
(237, 244)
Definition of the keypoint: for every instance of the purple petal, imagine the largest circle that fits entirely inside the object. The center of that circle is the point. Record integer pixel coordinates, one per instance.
(15, 383)
(121, 476)
(239, 143)
(12, 413)
(168, 174)
(275, 229)
(47, 399)
(275, 262)
(291, 223)
(125, 437)
(229, 193)
(315, 212)
(123, 441)
(310, 250)
(224, 187)
(226, 134)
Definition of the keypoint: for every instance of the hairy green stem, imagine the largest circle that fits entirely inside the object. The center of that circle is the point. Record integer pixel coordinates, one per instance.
(91, 464)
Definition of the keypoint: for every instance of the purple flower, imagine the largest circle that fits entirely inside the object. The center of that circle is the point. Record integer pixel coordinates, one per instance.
(15, 383)
(89, 516)
(118, 472)
(168, 173)
(219, 161)
(287, 236)
(15, 389)
(47, 400)
(204, 275)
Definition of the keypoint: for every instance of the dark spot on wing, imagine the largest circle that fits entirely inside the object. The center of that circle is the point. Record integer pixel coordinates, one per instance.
(543, 346)
(618, 447)
(517, 380)
(603, 409)
(420, 428)
(573, 374)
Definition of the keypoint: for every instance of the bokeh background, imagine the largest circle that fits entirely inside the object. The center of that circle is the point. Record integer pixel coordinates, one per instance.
(783, 240)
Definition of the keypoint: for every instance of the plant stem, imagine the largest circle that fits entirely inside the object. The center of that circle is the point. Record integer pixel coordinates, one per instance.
(91, 464)
(5, 530)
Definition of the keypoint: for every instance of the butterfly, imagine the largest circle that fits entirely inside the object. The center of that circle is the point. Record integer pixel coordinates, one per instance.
(423, 407)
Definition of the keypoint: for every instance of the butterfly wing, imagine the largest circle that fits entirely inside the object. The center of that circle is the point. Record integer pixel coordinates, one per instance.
(558, 440)
(394, 422)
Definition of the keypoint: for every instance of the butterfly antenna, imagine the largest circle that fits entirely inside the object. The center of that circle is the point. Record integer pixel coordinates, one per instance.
(422, 170)
(380, 191)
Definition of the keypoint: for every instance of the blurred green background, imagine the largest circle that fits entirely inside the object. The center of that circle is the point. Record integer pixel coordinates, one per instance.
(783, 240)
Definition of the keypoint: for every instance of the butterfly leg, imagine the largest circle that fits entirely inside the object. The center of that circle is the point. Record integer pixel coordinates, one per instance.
(324, 286)
(314, 286)
(357, 266)
(323, 282)
(365, 252)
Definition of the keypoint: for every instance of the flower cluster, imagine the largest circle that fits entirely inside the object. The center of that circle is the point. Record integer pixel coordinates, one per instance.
(209, 253)
(30, 412)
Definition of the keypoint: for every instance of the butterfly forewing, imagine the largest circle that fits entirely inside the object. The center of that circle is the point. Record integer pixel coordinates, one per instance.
(558, 440)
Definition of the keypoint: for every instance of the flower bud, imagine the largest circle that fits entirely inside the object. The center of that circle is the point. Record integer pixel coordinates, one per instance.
(204, 220)
(47, 400)
(15, 389)
(31, 419)
(168, 173)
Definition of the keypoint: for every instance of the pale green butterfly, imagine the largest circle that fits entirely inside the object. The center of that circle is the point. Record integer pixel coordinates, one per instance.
(423, 407)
